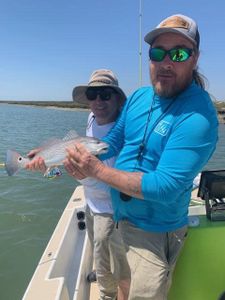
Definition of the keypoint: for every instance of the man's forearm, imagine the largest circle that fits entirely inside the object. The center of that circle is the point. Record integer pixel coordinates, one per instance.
(127, 182)
(81, 162)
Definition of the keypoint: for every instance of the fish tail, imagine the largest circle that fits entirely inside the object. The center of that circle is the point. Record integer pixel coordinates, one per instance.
(13, 162)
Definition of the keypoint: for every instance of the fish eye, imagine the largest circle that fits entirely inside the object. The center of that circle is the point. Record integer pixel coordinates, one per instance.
(19, 158)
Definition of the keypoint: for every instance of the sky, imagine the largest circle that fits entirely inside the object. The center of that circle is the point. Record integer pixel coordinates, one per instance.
(49, 46)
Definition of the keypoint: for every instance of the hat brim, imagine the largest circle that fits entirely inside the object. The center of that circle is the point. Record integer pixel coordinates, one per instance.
(152, 35)
(79, 93)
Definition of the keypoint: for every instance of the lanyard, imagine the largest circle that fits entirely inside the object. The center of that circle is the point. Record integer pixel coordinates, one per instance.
(141, 148)
(143, 142)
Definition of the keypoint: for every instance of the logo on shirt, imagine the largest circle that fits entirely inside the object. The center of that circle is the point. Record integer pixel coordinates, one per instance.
(162, 128)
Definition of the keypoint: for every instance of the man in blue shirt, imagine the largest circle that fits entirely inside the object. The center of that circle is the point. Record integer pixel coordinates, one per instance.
(165, 135)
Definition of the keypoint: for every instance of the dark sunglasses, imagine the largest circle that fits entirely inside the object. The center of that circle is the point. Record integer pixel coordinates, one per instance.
(104, 93)
(175, 54)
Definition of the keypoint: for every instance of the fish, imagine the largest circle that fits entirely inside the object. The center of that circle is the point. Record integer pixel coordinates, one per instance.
(54, 152)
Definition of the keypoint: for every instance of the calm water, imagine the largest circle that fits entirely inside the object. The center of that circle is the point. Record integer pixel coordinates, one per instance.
(31, 205)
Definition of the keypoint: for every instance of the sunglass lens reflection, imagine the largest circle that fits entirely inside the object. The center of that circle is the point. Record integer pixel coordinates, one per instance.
(157, 54)
(179, 55)
(176, 54)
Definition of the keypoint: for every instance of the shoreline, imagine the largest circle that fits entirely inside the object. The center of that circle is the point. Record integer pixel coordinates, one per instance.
(49, 105)
(57, 107)
(72, 106)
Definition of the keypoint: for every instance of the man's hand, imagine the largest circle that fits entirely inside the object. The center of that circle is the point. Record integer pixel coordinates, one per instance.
(37, 163)
(80, 163)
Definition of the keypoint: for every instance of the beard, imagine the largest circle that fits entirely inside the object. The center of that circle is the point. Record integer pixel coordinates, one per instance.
(167, 84)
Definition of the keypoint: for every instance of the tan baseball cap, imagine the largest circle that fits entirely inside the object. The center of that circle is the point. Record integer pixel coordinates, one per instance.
(177, 24)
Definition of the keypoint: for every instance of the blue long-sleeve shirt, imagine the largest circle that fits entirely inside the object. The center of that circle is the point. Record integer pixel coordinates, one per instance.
(179, 136)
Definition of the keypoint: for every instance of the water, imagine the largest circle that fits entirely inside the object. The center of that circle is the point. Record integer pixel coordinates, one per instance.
(30, 205)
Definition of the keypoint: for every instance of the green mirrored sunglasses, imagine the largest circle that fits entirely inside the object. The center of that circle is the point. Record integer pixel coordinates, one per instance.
(175, 54)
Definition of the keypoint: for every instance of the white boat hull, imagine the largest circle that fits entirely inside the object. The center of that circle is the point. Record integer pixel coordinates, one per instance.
(66, 261)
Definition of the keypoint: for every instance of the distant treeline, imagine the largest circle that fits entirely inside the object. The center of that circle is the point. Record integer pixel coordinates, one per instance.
(220, 106)
(63, 104)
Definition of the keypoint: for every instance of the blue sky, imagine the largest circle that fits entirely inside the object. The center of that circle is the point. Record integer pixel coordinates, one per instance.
(49, 46)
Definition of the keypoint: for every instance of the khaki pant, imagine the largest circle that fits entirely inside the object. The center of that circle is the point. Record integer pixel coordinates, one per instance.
(151, 257)
(109, 253)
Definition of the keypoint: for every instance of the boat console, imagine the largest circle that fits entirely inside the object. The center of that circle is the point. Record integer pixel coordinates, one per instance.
(200, 272)
(212, 190)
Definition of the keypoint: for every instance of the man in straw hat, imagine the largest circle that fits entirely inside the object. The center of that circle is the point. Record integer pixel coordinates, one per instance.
(105, 99)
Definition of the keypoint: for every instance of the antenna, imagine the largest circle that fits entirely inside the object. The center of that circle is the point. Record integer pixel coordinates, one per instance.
(140, 43)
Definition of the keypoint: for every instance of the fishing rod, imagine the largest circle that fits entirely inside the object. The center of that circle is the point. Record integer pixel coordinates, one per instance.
(140, 43)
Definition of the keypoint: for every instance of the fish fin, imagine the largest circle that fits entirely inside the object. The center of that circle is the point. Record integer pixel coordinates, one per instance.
(49, 142)
(71, 135)
(14, 162)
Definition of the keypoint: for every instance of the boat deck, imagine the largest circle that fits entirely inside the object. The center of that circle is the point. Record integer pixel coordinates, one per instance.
(63, 268)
